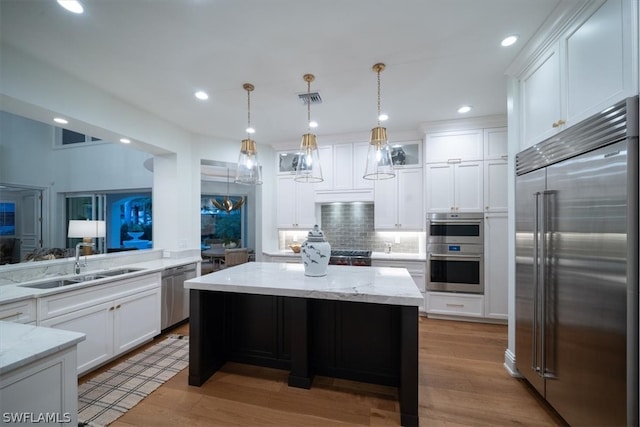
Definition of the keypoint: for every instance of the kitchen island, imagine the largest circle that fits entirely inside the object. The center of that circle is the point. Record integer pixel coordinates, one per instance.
(358, 323)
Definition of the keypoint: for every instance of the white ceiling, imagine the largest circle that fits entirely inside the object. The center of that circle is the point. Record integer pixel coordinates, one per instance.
(154, 54)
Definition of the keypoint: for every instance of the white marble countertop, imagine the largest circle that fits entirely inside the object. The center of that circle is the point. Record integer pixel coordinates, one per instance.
(393, 256)
(382, 285)
(22, 344)
(12, 292)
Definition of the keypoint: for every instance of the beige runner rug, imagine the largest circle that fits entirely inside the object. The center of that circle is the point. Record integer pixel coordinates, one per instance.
(110, 394)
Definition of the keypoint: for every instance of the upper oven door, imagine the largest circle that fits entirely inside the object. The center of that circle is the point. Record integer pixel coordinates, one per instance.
(459, 229)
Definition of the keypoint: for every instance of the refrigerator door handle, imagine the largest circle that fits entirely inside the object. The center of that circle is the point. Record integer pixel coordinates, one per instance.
(542, 283)
(535, 260)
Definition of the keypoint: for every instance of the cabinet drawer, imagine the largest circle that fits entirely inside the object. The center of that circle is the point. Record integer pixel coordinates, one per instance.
(67, 302)
(19, 311)
(455, 304)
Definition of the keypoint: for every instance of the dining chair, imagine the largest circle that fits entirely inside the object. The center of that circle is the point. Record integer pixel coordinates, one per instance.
(235, 256)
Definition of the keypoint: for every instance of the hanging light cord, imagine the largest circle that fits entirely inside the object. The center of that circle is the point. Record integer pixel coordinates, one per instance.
(248, 113)
(309, 105)
(378, 97)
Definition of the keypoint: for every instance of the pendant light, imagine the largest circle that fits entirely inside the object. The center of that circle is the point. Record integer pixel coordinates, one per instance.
(308, 169)
(226, 204)
(379, 163)
(248, 170)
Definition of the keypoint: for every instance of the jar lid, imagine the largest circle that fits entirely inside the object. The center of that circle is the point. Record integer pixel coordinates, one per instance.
(315, 234)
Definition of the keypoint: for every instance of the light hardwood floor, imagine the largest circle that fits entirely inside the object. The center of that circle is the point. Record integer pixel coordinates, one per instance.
(462, 383)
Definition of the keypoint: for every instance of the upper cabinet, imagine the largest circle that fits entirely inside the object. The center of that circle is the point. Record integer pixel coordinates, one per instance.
(343, 166)
(295, 207)
(454, 146)
(592, 65)
(398, 201)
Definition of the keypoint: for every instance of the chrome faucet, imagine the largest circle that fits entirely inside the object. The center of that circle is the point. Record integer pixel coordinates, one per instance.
(77, 265)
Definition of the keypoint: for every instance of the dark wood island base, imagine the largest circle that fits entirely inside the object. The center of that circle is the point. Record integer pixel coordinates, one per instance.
(375, 343)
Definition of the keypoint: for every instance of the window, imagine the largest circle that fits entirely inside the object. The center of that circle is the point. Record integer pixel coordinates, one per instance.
(7, 219)
(218, 226)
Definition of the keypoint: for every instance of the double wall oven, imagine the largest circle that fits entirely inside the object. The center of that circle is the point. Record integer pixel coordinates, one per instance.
(455, 252)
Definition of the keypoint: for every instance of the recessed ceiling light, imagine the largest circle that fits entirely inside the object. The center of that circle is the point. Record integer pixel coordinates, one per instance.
(60, 120)
(71, 5)
(464, 109)
(202, 95)
(125, 140)
(250, 130)
(313, 124)
(382, 117)
(508, 41)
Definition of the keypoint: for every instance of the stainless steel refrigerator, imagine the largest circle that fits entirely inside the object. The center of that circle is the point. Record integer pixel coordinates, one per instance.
(577, 268)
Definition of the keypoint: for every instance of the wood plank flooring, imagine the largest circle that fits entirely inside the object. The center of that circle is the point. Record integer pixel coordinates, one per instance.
(462, 383)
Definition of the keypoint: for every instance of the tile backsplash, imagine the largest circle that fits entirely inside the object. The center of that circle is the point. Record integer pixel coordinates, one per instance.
(350, 226)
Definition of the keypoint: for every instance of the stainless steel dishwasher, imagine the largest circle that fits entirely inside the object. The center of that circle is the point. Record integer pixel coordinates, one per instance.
(175, 298)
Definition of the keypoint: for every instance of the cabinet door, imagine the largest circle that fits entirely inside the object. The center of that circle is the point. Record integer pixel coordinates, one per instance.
(541, 94)
(599, 61)
(328, 168)
(305, 207)
(343, 166)
(285, 206)
(96, 323)
(137, 319)
(439, 191)
(385, 207)
(360, 151)
(495, 268)
(410, 197)
(495, 144)
(459, 145)
(495, 186)
(468, 187)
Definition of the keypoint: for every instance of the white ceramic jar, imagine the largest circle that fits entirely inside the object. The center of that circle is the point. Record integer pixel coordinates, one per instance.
(315, 253)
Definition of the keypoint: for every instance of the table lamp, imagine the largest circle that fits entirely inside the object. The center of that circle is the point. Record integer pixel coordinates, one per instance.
(87, 230)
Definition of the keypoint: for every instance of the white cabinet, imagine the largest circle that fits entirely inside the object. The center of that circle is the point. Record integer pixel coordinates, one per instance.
(496, 144)
(589, 67)
(454, 187)
(360, 150)
(399, 201)
(447, 304)
(295, 205)
(343, 166)
(495, 266)
(115, 317)
(19, 311)
(540, 89)
(454, 146)
(495, 185)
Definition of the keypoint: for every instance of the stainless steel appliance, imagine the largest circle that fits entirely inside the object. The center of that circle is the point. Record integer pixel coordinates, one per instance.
(350, 257)
(577, 268)
(455, 252)
(174, 297)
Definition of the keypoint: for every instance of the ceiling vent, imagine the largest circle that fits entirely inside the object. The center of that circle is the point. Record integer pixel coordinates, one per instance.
(312, 98)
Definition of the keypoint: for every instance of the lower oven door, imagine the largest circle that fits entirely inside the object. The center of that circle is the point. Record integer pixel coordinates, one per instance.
(455, 272)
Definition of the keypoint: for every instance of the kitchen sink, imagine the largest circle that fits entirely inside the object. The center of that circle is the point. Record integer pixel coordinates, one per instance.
(81, 278)
(53, 284)
(117, 272)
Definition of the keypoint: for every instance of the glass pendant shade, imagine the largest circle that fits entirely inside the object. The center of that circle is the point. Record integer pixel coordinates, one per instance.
(248, 170)
(308, 169)
(379, 162)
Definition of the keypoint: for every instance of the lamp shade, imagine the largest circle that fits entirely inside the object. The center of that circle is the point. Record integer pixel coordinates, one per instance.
(87, 228)
(248, 170)
(379, 163)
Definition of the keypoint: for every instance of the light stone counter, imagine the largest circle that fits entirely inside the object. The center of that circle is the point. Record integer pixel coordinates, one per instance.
(393, 256)
(380, 285)
(149, 261)
(22, 344)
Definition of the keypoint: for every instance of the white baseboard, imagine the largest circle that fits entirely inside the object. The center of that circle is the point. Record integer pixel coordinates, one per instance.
(510, 364)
